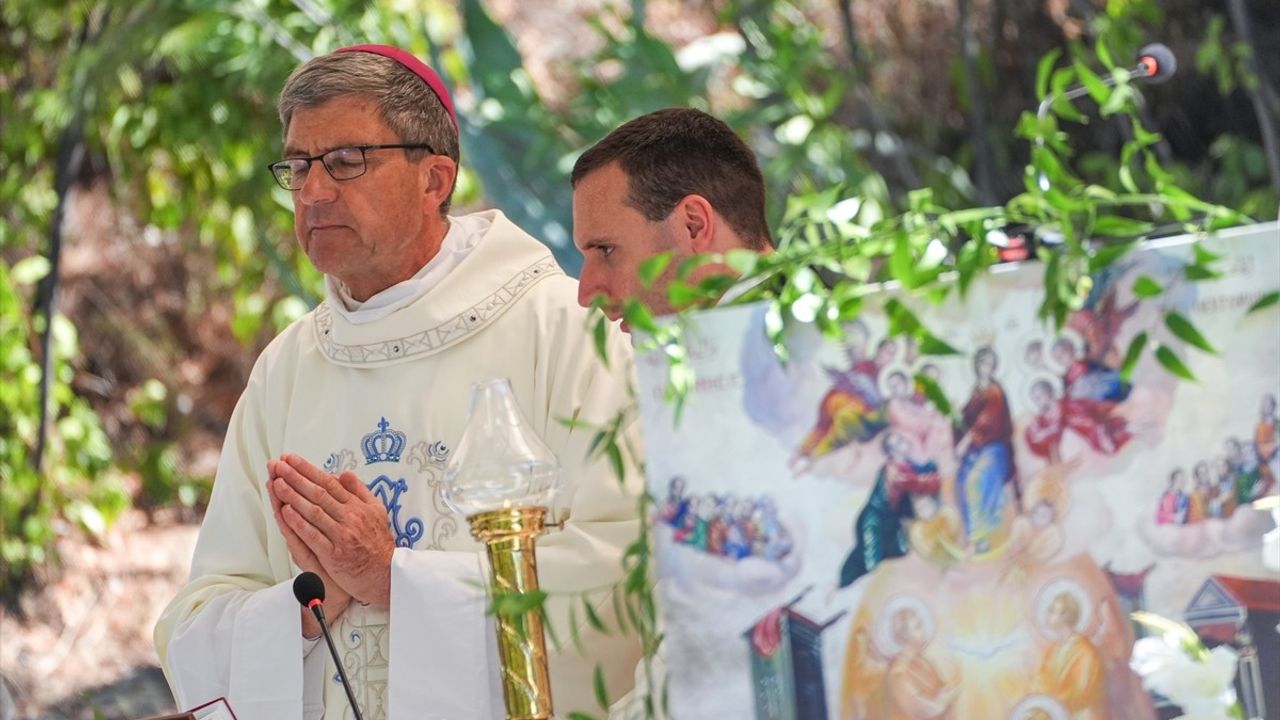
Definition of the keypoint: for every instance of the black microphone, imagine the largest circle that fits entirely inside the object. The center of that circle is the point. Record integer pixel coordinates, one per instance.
(1157, 62)
(308, 588)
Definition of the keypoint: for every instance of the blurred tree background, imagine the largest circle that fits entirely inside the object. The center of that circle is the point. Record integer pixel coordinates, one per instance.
(148, 256)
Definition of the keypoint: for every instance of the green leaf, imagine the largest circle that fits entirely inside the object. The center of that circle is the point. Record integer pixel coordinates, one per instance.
(901, 263)
(1108, 254)
(1200, 272)
(742, 261)
(1131, 356)
(901, 320)
(686, 267)
(1186, 331)
(1144, 287)
(1089, 79)
(1117, 226)
(593, 619)
(1171, 362)
(1263, 302)
(1203, 255)
(933, 393)
(652, 267)
(930, 344)
(614, 453)
(516, 603)
(681, 294)
(773, 329)
(638, 316)
(1044, 69)
(602, 696)
(29, 270)
(599, 337)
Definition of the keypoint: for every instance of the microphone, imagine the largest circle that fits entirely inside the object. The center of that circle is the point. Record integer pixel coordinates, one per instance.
(308, 588)
(1156, 64)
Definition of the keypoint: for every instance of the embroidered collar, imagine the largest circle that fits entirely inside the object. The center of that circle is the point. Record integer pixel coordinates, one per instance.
(504, 265)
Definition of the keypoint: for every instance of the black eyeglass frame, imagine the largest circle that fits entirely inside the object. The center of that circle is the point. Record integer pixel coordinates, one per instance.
(281, 165)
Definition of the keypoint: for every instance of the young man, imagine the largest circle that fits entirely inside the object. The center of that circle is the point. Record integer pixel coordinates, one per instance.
(335, 454)
(675, 180)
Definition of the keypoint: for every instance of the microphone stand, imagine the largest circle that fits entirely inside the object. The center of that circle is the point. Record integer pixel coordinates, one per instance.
(317, 608)
(1155, 64)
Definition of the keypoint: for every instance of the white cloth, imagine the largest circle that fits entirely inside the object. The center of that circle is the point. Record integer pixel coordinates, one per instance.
(388, 399)
(464, 232)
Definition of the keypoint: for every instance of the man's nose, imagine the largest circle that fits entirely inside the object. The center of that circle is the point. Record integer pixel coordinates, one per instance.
(588, 287)
(318, 186)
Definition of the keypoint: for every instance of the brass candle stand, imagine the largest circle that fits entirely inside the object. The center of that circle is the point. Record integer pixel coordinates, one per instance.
(509, 535)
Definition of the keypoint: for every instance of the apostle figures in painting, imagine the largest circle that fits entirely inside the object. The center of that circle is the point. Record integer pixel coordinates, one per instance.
(1172, 509)
(1266, 445)
(1071, 668)
(916, 688)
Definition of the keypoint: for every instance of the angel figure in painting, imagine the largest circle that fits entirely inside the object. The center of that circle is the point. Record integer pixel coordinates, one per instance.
(853, 409)
(1035, 536)
(1101, 318)
(1093, 420)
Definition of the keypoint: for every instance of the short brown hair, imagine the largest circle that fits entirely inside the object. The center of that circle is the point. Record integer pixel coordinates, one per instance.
(672, 153)
(406, 104)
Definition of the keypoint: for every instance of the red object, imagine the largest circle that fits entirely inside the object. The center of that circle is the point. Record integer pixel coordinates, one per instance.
(1253, 594)
(417, 67)
(311, 605)
(766, 636)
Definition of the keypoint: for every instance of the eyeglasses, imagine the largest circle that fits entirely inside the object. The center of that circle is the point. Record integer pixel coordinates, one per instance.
(344, 163)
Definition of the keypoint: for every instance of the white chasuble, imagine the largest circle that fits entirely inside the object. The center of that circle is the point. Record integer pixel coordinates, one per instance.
(388, 400)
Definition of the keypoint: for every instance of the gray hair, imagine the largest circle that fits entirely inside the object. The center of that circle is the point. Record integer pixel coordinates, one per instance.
(406, 104)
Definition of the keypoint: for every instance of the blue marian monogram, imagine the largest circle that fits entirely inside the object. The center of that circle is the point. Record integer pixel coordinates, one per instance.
(387, 445)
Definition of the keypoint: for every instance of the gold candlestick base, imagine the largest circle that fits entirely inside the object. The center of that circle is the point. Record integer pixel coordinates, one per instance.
(522, 648)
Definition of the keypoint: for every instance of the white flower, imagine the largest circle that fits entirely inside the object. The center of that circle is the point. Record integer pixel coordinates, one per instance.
(1204, 689)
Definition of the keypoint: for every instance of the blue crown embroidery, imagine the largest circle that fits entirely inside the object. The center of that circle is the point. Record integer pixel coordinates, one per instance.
(383, 446)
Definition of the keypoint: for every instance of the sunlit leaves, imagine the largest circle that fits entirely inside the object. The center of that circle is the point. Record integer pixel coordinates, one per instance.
(1145, 287)
(1132, 355)
(1266, 301)
(1186, 331)
(651, 268)
(1170, 361)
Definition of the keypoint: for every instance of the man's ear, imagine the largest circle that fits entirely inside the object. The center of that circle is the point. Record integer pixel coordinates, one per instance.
(439, 174)
(695, 224)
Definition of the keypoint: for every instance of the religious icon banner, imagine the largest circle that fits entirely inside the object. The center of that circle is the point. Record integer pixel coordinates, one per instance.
(869, 531)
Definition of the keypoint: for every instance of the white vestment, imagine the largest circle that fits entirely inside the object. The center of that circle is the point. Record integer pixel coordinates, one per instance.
(388, 399)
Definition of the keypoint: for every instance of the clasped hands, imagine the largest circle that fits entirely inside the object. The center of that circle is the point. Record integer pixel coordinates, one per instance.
(335, 528)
